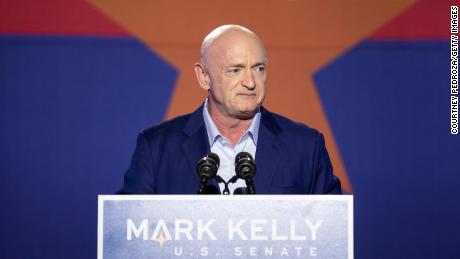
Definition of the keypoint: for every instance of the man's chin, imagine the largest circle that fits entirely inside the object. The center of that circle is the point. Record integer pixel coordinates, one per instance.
(246, 114)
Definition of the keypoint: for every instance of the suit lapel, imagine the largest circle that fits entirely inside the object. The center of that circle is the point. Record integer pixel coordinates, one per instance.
(269, 150)
(196, 144)
(268, 154)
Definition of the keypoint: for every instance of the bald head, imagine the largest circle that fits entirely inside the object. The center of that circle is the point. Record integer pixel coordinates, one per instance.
(225, 35)
(233, 71)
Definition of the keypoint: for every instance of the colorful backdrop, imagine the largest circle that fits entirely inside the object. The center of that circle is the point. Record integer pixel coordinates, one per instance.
(79, 79)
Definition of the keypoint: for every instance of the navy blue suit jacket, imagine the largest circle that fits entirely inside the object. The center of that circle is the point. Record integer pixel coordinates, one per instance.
(291, 158)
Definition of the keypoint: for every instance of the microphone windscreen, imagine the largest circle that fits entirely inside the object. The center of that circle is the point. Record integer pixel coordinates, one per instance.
(243, 155)
(215, 157)
(245, 166)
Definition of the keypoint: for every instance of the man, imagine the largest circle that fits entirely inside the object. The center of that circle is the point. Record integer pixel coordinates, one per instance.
(291, 158)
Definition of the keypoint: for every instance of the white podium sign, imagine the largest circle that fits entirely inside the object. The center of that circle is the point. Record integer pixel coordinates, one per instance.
(215, 226)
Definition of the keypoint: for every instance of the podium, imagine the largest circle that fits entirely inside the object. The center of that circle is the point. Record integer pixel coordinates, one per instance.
(215, 226)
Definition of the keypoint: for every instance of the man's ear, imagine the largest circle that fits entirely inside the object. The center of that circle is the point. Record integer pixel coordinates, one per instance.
(202, 76)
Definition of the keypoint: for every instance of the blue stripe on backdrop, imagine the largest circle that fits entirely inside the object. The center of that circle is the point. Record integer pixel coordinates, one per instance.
(70, 110)
(388, 103)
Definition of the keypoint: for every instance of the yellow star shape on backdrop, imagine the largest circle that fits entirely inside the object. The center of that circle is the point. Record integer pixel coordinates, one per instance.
(301, 37)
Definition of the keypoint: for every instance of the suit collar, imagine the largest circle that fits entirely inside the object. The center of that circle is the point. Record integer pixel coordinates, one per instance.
(269, 122)
(214, 133)
(195, 122)
(268, 153)
(196, 144)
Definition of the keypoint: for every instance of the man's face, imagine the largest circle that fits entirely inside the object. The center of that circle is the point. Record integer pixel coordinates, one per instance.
(237, 71)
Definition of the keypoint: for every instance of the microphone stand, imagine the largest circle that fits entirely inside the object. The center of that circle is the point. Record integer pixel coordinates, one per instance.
(226, 191)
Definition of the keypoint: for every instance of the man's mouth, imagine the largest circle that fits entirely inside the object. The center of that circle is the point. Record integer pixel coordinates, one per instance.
(247, 94)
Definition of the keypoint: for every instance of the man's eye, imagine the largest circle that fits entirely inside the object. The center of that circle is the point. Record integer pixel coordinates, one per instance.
(233, 70)
(260, 69)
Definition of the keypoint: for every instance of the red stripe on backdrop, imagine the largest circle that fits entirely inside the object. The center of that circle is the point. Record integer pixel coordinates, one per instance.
(55, 17)
(426, 19)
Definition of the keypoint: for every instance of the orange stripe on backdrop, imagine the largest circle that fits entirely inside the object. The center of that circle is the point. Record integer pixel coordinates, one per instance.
(301, 37)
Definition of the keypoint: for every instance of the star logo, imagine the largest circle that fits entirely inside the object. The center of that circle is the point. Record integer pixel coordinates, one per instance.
(161, 240)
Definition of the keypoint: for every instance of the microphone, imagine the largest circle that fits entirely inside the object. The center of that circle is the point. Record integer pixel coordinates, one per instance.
(207, 169)
(245, 168)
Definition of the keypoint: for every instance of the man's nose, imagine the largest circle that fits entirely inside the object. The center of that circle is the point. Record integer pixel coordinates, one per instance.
(248, 80)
